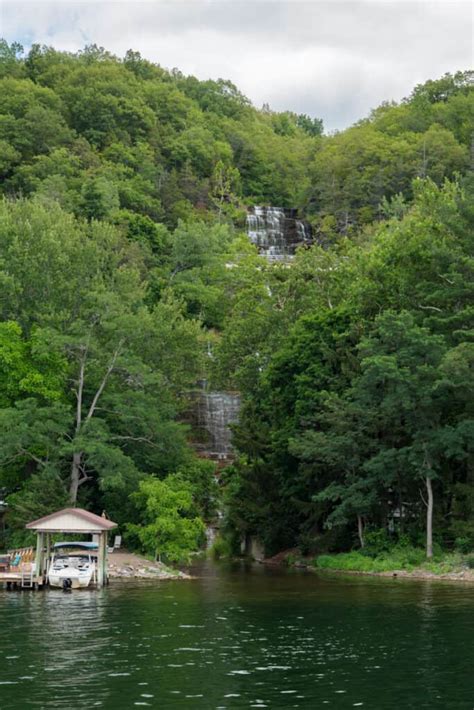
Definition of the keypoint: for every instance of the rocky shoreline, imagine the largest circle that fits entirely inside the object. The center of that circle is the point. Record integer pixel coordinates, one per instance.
(126, 565)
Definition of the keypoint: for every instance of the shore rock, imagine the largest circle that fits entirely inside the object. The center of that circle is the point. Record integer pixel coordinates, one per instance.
(126, 565)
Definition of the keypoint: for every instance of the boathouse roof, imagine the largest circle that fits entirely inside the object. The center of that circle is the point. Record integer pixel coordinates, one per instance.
(72, 520)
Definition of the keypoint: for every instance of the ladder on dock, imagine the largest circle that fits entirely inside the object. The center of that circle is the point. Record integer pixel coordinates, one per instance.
(27, 579)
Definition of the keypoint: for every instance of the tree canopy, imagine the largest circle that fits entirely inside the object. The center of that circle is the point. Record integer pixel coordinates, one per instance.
(126, 278)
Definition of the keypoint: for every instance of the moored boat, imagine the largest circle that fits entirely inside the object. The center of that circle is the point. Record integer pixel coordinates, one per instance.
(73, 565)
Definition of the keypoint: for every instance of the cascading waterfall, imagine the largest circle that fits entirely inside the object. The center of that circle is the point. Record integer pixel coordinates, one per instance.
(212, 415)
(216, 412)
(212, 529)
(276, 232)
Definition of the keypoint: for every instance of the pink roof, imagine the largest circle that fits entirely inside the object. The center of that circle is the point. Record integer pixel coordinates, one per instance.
(96, 521)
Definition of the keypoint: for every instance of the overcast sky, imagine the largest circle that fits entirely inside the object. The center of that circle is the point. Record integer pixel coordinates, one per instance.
(331, 59)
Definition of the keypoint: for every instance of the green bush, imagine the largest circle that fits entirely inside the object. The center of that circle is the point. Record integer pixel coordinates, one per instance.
(221, 547)
(444, 564)
(293, 559)
(462, 544)
(331, 540)
(376, 542)
(308, 543)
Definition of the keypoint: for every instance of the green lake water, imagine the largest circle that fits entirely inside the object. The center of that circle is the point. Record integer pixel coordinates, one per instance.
(241, 637)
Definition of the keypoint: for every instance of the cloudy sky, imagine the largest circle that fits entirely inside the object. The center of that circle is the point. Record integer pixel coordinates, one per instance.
(334, 59)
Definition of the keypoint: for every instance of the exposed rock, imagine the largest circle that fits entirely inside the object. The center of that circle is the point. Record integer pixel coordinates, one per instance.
(126, 565)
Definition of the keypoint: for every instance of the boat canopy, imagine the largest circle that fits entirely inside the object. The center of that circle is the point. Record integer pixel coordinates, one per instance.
(76, 545)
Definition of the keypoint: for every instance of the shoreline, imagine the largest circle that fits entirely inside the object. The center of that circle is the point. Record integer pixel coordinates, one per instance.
(128, 565)
(459, 574)
(420, 575)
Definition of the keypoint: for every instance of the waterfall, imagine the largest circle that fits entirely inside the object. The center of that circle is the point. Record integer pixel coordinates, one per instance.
(216, 412)
(276, 232)
(211, 534)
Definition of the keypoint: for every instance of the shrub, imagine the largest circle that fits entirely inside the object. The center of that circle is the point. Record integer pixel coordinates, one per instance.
(221, 547)
(331, 540)
(377, 541)
(463, 544)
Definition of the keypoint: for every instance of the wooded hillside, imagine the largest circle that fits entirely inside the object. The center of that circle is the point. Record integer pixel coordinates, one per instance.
(124, 262)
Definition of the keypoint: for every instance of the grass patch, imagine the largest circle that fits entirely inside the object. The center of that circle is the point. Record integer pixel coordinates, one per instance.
(398, 558)
(406, 558)
(444, 564)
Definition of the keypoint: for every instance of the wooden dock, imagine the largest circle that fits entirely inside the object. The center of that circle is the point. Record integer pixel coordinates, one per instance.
(20, 580)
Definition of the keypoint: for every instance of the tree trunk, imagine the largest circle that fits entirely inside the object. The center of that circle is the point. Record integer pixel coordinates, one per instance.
(78, 476)
(400, 505)
(360, 530)
(429, 519)
(75, 474)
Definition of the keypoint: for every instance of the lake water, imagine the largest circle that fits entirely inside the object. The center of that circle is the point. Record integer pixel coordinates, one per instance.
(241, 637)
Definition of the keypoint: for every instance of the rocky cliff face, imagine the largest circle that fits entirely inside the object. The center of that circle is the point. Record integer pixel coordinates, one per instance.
(210, 416)
(277, 232)
(217, 411)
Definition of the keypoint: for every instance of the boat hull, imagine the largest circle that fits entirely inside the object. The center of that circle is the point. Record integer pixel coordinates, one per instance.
(55, 581)
(70, 578)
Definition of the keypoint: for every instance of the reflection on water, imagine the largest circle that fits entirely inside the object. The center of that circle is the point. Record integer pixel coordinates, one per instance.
(240, 638)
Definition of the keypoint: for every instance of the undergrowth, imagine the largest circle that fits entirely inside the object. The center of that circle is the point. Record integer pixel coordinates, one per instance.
(398, 558)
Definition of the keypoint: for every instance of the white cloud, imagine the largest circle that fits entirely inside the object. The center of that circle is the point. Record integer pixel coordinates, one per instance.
(334, 60)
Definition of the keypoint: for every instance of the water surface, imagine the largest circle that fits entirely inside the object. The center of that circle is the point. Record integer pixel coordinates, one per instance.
(241, 637)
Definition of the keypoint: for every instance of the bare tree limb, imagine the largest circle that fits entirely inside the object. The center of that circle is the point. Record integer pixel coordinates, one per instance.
(430, 308)
(177, 270)
(25, 452)
(80, 388)
(136, 438)
(423, 498)
(442, 276)
(101, 388)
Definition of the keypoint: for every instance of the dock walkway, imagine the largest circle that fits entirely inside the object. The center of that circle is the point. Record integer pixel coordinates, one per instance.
(20, 580)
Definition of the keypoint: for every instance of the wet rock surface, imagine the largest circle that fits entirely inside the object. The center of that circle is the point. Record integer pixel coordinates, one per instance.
(277, 232)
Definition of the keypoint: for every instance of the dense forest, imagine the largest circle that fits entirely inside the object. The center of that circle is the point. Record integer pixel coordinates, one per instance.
(124, 263)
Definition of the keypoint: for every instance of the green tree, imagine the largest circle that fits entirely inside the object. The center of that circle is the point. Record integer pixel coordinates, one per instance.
(115, 367)
(225, 189)
(399, 379)
(170, 526)
(99, 198)
(28, 368)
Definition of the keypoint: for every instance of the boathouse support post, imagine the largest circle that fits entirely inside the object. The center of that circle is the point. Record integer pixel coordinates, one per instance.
(47, 556)
(106, 555)
(101, 559)
(39, 554)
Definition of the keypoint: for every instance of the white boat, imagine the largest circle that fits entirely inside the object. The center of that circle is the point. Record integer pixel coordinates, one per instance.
(73, 565)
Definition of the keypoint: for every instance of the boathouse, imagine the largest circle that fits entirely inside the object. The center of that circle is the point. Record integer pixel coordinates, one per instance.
(71, 521)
